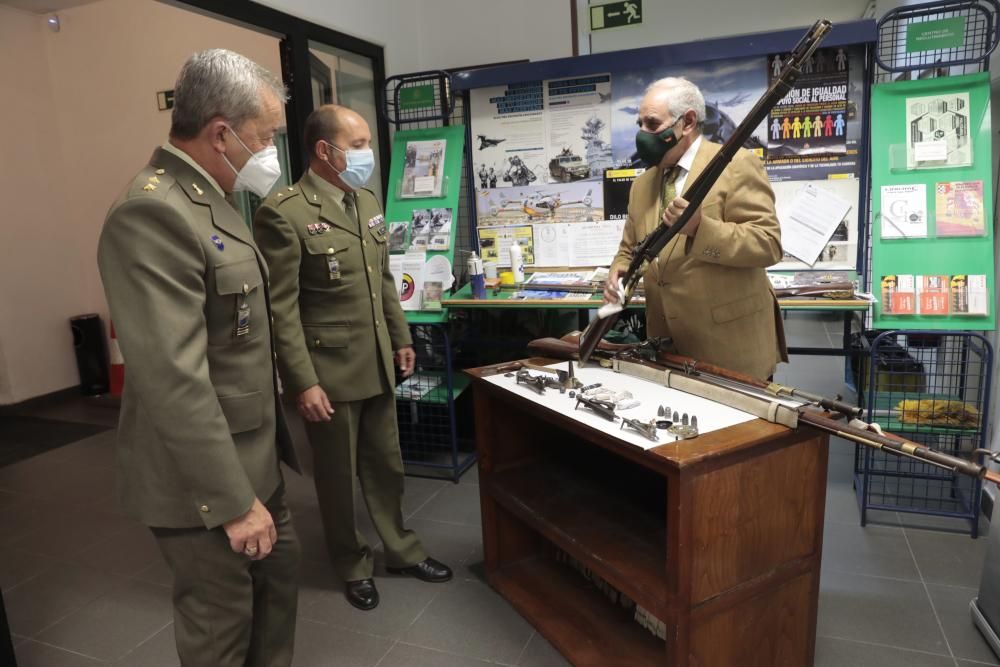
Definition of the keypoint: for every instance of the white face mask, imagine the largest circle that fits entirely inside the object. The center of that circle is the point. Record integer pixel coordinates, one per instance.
(261, 171)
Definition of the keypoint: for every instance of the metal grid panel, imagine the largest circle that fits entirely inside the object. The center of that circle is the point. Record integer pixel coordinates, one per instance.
(435, 436)
(932, 388)
(896, 63)
(434, 109)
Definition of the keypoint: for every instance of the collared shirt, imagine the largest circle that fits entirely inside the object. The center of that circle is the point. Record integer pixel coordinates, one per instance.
(685, 165)
(170, 148)
(328, 188)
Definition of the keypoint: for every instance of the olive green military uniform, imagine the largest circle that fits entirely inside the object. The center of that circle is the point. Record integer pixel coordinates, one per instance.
(337, 323)
(201, 430)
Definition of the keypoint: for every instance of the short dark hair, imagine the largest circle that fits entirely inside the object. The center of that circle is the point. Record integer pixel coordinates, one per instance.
(323, 124)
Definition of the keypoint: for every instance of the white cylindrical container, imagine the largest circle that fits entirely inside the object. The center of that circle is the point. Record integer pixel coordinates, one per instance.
(517, 262)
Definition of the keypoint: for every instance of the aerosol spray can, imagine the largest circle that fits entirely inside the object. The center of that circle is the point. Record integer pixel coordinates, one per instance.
(517, 262)
(476, 277)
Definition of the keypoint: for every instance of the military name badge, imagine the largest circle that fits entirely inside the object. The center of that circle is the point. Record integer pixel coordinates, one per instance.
(333, 266)
(242, 324)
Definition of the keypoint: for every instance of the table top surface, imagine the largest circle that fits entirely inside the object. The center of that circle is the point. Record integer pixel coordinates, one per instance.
(503, 298)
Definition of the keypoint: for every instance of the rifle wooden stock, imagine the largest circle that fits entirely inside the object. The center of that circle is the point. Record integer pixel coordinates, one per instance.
(566, 349)
(655, 241)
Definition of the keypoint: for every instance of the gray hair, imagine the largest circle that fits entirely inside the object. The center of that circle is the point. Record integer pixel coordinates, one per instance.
(682, 96)
(222, 83)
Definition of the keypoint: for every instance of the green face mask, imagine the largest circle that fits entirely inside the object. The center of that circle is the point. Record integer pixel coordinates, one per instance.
(652, 147)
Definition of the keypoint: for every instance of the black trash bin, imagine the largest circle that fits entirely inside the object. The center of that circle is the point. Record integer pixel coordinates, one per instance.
(91, 353)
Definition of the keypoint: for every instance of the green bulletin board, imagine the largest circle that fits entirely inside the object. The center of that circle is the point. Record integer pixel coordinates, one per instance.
(400, 209)
(932, 254)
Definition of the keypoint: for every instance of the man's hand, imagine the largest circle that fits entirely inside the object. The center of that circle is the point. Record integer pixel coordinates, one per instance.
(253, 534)
(405, 359)
(313, 404)
(611, 285)
(674, 211)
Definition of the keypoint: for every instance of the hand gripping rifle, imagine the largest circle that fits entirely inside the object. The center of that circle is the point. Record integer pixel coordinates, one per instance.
(627, 357)
(650, 247)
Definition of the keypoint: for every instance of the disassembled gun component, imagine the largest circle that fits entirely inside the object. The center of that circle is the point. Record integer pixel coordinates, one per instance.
(535, 382)
(605, 409)
(683, 430)
(647, 429)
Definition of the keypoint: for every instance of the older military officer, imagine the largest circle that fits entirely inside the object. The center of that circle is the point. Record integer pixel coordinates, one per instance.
(338, 329)
(201, 429)
(708, 289)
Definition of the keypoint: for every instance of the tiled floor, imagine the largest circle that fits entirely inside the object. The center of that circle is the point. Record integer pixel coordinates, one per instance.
(86, 586)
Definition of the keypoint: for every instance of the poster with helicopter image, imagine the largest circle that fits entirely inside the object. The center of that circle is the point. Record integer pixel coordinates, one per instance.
(582, 201)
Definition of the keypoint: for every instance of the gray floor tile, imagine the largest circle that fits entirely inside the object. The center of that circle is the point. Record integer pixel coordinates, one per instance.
(405, 655)
(880, 611)
(842, 507)
(158, 573)
(321, 645)
(452, 544)
(456, 503)
(418, 491)
(40, 602)
(470, 619)
(127, 553)
(952, 606)
(33, 654)
(160, 650)
(97, 450)
(943, 558)
(844, 653)
(17, 566)
(73, 531)
(112, 625)
(540, 653)
(879, 551)
(471, 475)
(403, 599)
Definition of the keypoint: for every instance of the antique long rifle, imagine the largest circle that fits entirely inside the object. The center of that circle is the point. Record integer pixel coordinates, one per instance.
(855, 430)
(650, 247)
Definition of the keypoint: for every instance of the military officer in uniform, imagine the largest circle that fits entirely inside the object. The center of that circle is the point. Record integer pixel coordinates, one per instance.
(201, 430)
(708, 289)
(339, 328)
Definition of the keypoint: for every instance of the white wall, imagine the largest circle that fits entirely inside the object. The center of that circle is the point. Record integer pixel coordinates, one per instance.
(678, 22)
(41, 281)
(439, 34)
(81, 119)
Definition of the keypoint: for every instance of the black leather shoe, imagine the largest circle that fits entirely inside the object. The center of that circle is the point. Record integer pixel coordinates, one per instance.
(362, 594)
(426, 570)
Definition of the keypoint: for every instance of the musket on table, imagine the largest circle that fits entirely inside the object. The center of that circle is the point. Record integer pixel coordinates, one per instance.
(704, 379)
(650, 247)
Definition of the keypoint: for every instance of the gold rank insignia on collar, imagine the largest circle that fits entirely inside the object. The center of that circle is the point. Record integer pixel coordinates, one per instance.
(160, 172)
(197, 189)
(149, 187)
(154, 180)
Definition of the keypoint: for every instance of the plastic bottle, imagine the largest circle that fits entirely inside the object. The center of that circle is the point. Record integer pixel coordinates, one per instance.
(517, 262)
(476, 277)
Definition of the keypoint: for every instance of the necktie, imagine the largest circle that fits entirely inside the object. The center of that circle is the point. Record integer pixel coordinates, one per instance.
(351, 206)
(669, 190)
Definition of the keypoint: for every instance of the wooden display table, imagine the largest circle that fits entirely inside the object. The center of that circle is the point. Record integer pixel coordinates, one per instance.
(720, 537)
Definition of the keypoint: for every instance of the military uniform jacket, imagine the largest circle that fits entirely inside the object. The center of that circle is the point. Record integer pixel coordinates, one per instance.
(710, 293)
(201, 429)
(336, 306)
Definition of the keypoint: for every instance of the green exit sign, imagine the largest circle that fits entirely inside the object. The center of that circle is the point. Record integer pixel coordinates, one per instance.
(416, 97)
(933, 35)
(615, 14)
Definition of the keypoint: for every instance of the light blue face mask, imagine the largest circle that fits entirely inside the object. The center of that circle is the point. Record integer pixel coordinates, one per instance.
(360, 164)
